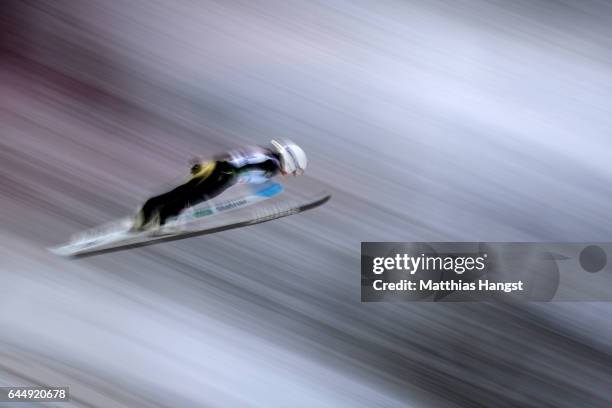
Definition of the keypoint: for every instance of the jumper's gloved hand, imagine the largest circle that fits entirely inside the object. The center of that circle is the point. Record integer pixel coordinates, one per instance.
(196, 165)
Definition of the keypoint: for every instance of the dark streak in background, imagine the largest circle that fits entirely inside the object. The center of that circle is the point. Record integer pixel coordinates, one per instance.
(463, 120)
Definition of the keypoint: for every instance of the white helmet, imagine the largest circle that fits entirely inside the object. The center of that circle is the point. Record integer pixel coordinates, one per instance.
(292, 157)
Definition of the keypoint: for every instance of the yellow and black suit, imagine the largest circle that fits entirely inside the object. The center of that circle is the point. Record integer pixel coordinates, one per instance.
(209, 179)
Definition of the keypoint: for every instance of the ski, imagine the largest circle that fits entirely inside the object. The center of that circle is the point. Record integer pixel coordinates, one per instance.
(201, 220)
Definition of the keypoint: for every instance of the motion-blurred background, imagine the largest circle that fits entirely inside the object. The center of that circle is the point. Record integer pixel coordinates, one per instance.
(428, 120)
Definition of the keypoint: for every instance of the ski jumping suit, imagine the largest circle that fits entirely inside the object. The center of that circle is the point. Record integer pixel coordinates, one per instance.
(209, 179)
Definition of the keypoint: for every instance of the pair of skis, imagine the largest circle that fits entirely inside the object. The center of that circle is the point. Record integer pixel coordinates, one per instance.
(264, 202)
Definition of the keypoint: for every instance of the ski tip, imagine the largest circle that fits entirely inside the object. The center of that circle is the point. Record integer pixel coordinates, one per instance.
(323, 197)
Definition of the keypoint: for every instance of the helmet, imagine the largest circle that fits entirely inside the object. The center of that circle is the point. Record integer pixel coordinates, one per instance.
(292, 157)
